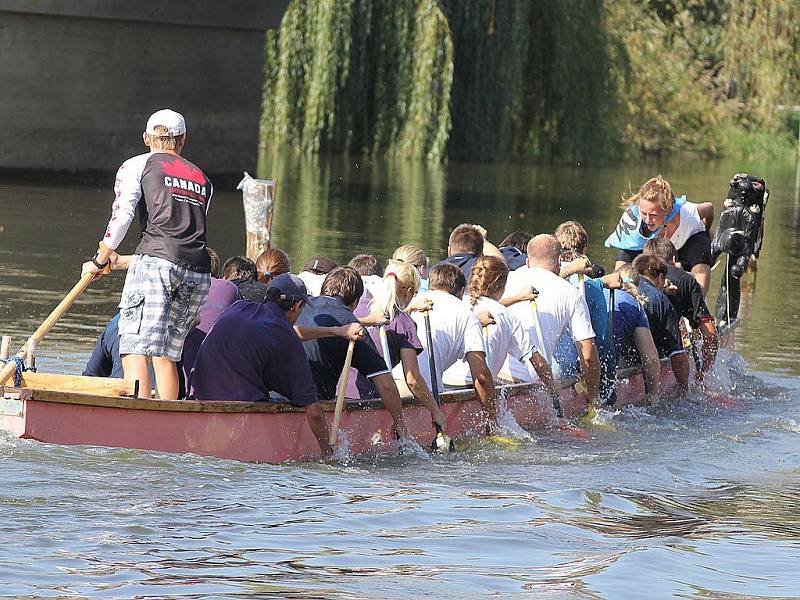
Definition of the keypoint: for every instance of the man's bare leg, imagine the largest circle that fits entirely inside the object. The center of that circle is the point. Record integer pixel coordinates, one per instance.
(136, 367)
(166, 378)
(702, 273)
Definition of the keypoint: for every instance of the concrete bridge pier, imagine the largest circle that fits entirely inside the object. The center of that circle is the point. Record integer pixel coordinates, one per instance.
(80, 78)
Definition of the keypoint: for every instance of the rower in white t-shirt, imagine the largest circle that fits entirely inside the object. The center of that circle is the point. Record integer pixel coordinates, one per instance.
(456, 334)
(506, 336)
(559, 307)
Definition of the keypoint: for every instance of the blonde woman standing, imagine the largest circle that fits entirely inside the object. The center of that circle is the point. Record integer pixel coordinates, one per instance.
(654, 211)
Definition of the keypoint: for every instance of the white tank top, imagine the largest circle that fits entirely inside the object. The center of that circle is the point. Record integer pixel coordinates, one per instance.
(689, 225)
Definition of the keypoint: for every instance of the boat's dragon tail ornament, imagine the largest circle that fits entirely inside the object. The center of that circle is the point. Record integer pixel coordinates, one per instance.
(739, 235)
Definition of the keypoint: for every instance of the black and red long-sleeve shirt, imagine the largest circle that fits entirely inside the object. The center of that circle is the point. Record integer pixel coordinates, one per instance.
(172, 197)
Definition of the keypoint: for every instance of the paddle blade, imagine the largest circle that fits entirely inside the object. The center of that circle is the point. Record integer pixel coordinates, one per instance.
(505, 442)
(442, 443)
(593, 420)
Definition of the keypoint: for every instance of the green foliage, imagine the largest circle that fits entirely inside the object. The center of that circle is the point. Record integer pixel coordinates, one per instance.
(669, 100)
(762, 58)
(569, 80)
(356, 73)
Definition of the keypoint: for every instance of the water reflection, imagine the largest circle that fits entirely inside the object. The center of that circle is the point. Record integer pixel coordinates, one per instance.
(340, 206)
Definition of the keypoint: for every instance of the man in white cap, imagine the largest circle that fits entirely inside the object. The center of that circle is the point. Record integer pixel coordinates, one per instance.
(169, 276)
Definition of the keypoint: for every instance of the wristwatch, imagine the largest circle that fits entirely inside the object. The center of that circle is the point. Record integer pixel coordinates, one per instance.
(97, 264)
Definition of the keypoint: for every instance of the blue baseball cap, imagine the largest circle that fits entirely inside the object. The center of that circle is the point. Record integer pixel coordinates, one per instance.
(287, 287)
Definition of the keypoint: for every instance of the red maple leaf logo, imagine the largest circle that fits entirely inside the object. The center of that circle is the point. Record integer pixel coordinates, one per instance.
(183, 170)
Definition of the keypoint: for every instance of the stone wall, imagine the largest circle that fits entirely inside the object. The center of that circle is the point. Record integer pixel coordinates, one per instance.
(80, 78)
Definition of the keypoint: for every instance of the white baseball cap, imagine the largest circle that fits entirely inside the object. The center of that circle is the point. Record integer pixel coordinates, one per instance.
(166, 117)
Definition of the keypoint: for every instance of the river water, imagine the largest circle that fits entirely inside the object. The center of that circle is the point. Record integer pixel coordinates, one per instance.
(696, 500)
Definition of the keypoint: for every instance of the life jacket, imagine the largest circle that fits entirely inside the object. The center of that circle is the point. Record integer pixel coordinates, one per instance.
(628, 233)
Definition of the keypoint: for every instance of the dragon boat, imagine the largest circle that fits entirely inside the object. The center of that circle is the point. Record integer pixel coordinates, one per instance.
(74, 410)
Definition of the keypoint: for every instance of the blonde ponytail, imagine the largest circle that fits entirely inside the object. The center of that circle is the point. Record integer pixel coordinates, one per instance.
(398, 276)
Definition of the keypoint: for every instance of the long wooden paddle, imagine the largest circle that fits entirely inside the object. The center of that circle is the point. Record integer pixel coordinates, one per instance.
(343, 380)
(59, 311)
(440, 442)
(486, 344)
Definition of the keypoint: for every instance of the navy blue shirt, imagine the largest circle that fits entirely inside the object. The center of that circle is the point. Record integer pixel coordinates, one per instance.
(514, 258)
(464, 261)
(628, 315)
(252, 349)
(326, 355)
(105, 360)
(663, 320)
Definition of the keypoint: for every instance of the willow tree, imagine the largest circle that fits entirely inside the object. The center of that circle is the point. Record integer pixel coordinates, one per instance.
(488, 80)
(359, 75)
(669, 99)
(375, 77)
(531, 79)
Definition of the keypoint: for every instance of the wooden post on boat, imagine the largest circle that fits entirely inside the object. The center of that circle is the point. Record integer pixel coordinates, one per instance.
(258, 196)
(345, 377)
(5, 347)
(31, 359)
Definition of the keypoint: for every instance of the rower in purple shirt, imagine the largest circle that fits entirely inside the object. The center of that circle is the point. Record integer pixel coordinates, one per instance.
(221, 295)
(253, 349)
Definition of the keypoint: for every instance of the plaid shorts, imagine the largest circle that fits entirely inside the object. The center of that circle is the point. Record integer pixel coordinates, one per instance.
(160, 302)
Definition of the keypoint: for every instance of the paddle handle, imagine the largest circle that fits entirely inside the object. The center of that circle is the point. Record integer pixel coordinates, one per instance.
(539, 333)
(432, 367)
(611, 307)
(385, 347)
(43, 329)
(486, 343)
(343, 380)
(431, 360)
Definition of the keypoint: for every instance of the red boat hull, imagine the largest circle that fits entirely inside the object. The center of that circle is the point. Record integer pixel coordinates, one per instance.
(263, 432)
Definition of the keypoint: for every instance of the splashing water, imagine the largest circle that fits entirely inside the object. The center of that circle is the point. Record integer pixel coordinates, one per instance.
(407, 446)
(720, 378)
(507, 423)
(341, 452)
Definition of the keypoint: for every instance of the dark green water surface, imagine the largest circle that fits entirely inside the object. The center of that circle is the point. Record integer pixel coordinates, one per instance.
(692, 501)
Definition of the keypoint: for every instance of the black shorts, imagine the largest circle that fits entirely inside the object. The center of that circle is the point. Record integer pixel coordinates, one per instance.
(696, 251)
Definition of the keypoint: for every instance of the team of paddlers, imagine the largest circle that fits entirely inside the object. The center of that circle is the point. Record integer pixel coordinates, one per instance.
(532, 307)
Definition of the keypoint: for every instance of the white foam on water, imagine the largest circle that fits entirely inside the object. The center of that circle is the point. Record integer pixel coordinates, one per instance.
(604, 416)
(637, 413)
(507, 423)
(408, 447)
(720, 377)
(788, 425)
